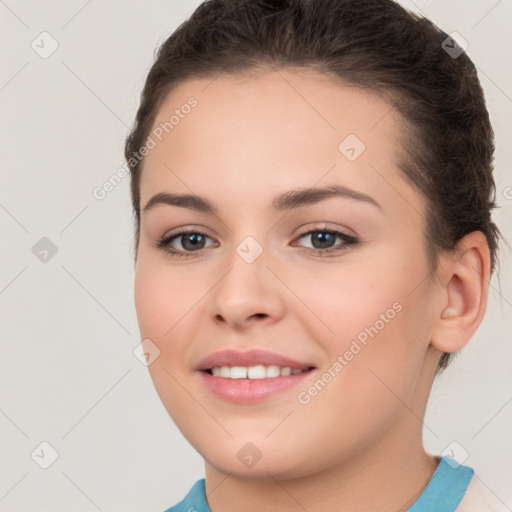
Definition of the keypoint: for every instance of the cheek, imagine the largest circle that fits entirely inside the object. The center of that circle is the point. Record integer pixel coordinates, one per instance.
(163, 301)
(353, 302)
(371, 318)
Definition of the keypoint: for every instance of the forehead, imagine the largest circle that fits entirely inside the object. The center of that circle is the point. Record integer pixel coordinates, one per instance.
(283, 129)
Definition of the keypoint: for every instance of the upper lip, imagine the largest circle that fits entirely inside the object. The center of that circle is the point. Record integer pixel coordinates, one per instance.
(249, 358)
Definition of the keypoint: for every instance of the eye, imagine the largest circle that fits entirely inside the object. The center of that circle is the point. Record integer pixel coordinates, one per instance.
(194, 240)
(191, 240)
(323, 241)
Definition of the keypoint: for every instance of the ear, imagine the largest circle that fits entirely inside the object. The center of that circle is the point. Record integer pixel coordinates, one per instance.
(464, 278)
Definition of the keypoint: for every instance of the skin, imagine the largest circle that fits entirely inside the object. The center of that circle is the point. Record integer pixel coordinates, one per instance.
(357, 445)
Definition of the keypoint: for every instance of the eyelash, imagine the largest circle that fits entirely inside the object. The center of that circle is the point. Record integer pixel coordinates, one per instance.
(349, 241)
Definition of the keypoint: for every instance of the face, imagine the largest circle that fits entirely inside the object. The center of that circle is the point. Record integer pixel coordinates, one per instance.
(335, 282)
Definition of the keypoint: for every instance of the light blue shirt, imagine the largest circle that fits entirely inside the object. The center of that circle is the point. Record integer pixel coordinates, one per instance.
(443, 493)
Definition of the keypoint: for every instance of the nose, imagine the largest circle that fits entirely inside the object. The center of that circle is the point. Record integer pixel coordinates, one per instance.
(247, 294)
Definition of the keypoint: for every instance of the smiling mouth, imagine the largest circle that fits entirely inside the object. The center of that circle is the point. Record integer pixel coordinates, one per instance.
(255, 372)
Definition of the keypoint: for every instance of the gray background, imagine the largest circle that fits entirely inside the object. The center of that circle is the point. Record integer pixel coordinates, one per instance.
(68, 373)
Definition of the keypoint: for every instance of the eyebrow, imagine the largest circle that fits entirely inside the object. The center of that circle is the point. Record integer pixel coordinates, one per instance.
(292, 199)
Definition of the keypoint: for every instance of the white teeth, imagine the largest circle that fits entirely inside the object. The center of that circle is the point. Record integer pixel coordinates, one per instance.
(254, 372)
(238, 372)
(273, 371)
(225, 371)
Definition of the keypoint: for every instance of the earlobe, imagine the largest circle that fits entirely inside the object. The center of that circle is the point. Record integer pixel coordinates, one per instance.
(466, 281)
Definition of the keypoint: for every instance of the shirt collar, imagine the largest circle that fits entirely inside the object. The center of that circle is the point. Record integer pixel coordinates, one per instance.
(442, 494)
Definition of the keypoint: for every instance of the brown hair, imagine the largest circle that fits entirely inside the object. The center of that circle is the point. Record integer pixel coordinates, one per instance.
(378, 45)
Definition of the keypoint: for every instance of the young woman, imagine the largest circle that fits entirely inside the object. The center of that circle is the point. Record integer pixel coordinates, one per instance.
(312, 188)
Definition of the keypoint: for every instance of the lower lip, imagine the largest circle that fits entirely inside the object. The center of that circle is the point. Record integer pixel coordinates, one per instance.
(245, 391)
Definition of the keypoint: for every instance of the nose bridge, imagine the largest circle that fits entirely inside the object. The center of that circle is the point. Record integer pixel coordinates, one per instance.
(249, 243)
(246, 288)
(247, 267)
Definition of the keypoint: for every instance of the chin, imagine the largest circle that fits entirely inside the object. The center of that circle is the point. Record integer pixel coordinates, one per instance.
(258, 461)
(260, 471)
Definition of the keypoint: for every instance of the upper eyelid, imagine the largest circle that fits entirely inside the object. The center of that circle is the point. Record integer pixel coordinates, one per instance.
(325, 228)
(185, 230)
(205, 231)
